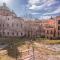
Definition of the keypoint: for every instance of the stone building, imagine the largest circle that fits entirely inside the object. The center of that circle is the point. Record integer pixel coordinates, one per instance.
(57, 25)
(51, 28)
(10, 24)
(32, 28)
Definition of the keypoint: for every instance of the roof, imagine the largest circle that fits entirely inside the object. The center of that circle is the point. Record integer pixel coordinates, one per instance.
(4, 6)
(4, 10)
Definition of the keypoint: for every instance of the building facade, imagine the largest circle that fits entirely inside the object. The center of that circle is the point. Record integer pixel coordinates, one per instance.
(51, 28)
(11, 25)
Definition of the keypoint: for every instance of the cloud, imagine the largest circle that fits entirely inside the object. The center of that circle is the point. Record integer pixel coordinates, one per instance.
(44, 17)
(32, 2)
(35, 7)
(53, 12)
(44, 7)
(6, 1)
(43, 4)
(35, 13)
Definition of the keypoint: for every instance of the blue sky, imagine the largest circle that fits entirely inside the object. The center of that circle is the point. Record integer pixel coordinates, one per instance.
(34, 8)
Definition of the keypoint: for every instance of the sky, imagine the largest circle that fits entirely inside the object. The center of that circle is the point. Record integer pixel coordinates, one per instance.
(34, 8)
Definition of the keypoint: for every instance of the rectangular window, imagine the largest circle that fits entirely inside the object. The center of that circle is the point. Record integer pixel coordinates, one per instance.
(21, 25)
(8, 33)
(17, 25)
(58, 27)
(58, 33)
(12, 33)
(3, 25)
(21, 34)
(17, 33)
(47, 32)
(0, 25)
(3, 33)
(7, 25)
(12, 24)
(51, 32)
(8, 18)
(58, 21)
